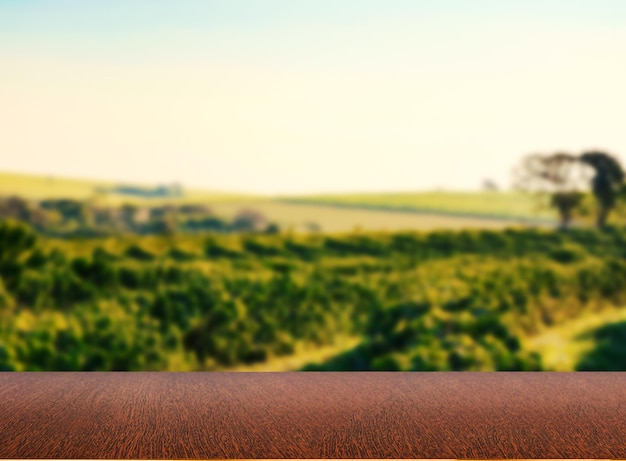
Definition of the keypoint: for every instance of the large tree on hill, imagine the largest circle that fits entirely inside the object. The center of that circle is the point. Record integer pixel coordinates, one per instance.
(561, 176)
(606, 183)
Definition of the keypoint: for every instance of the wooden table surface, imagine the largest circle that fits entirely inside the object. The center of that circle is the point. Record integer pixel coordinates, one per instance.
(312, 415)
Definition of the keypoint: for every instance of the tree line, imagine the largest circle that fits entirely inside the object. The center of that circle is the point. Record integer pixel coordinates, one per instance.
(78, 218)
(565, 178)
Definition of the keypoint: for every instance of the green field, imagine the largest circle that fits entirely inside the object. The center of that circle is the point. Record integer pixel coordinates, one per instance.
(300, 216)
(476, 289)
(432, 301)
(330, 213)
(563, 346)
(503, 205)
(33, 187)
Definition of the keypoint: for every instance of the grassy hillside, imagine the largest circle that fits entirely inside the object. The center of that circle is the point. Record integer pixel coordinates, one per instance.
(508, 205)
(33, 187)
(325, 218)
(325, 214)
(570, 345)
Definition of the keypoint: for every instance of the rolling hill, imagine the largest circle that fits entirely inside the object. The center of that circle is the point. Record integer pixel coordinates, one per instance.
(325, 213)
(509, 205)
(33, 187)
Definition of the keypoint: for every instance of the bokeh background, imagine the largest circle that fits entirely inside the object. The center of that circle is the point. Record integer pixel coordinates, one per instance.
(314, 185)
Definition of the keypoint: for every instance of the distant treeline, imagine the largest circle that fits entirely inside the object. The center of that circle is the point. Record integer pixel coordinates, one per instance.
(172, 191)
(420, 301)
(68, 217)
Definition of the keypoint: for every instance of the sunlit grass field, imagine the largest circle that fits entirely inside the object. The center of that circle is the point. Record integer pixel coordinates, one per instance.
(305, 217)
(33, 187)
(494, 204)
(383, 212)
(564, 345)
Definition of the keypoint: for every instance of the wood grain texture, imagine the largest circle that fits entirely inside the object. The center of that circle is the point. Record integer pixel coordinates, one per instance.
(312, 415)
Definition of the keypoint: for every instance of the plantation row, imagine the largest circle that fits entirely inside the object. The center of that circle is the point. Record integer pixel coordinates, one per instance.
(420, 301)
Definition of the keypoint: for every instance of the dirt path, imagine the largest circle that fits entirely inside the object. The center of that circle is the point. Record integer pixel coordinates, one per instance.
(561, 347)
(303, 217)
(301, 357)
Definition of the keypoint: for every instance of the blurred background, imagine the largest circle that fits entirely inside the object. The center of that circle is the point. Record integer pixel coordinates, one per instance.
(316, 185)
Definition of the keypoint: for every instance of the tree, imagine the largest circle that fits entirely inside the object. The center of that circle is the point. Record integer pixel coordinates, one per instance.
(606, 183)
(127, 214)
(15, 240)
(561, 176)
(248, 220)
(490, 185)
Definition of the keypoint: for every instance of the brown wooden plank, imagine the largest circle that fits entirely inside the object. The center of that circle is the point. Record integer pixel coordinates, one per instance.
(312, 415)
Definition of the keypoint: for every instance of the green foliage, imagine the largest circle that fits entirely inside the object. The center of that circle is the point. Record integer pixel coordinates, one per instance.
(6, 300)
(419, 301)
(15, 240)
(568, 253)
(180, 255)
(606, 183)
(610, 352)
(488, 204)
(97, 217)
(139, 253)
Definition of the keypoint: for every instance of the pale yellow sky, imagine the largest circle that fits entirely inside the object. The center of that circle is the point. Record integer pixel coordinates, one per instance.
(394, 104)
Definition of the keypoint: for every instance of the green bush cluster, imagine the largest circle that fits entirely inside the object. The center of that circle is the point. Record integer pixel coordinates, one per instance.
(420, 301)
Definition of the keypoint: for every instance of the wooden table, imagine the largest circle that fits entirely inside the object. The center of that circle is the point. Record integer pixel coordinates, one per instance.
(312, 415)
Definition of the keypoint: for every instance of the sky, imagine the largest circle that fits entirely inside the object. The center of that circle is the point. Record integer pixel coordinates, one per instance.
(307, 96)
